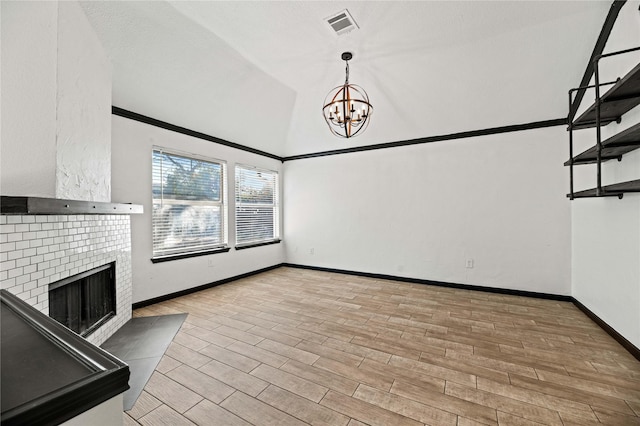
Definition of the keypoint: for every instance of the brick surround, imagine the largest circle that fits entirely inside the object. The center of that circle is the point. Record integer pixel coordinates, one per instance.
(36, 250)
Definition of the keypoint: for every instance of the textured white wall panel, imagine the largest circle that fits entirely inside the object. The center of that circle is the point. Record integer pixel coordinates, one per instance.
(83, 153)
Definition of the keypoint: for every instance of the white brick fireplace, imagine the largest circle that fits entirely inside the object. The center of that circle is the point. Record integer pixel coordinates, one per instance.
(37, 250)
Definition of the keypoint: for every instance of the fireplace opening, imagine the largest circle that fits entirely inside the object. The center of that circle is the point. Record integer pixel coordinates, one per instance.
(85, 301)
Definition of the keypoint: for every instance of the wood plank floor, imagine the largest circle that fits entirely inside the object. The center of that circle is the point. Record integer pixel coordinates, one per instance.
(292, 346)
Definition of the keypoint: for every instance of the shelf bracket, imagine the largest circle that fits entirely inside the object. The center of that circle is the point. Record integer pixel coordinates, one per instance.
(570, 151)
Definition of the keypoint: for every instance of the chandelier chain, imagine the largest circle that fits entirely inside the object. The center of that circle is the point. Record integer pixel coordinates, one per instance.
(346, 80)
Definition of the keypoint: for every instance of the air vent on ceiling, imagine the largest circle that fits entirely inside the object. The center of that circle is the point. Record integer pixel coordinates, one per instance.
(342, 22)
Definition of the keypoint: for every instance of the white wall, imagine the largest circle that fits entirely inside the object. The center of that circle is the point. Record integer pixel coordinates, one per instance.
(169, 67)
(131, 182)
(56, 102)
(108, 413)
(29, 63)
(606, 231)
(422, 211)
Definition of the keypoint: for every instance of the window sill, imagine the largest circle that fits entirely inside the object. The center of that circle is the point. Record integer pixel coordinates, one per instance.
(265, 243)
(187, 255)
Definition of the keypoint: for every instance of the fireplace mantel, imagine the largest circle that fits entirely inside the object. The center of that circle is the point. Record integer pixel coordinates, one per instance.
(55, 206)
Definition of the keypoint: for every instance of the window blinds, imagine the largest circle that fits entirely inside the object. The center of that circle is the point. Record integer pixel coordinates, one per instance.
(188, 204)
(256, 205)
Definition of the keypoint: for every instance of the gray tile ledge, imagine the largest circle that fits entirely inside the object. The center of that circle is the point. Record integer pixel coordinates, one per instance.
(53, 206)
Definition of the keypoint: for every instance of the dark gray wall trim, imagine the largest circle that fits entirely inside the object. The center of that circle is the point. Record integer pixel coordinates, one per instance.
(633, 349)
(170, 296)
(597, 50)
(172, 127)
(56, 206)
(266, 243)
(451, 136)
(473, 133)
(189, 255)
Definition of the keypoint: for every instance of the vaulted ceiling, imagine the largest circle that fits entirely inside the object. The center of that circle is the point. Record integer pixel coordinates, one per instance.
(257, 72)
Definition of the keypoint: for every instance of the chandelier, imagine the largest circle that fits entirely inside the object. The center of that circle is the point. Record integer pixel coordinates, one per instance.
(346, 108)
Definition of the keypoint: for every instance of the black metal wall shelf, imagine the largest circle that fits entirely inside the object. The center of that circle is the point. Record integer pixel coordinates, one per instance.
(612, 148)
(618, 100)
(623, 96)
(615, 190)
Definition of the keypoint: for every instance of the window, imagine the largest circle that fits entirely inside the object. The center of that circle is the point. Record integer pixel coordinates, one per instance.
(189, 214)
(257, 219)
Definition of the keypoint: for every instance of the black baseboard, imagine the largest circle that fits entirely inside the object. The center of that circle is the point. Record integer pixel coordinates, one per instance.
(511, 292)
(170, 296)
(633, 349)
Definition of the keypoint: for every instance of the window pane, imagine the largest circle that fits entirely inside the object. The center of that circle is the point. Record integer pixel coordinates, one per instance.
(255, 223)
(256, 205)
(182, 178)
(254, 186)
(187, 204)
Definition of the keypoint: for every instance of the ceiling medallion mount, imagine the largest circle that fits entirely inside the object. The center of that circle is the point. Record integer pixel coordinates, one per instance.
(346, 108)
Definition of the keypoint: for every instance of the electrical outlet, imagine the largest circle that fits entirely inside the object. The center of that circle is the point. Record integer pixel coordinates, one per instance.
(469, 263)
(311, 250)
(210, 263)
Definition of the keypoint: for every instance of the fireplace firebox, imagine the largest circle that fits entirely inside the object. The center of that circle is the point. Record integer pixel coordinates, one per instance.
(85, 301)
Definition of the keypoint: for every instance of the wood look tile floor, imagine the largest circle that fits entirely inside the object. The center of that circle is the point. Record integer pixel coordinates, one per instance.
(294, 347)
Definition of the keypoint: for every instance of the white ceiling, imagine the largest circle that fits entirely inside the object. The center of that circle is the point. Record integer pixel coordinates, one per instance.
(256, 72)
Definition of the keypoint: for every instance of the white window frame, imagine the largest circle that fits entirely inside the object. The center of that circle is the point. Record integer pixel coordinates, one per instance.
(243, 242)
(198, 248)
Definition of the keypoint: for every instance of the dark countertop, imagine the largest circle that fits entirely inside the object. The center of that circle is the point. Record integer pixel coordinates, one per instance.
(48, 373)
